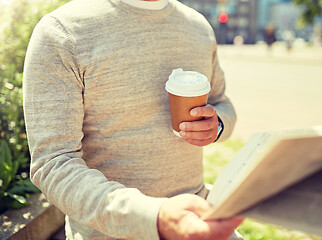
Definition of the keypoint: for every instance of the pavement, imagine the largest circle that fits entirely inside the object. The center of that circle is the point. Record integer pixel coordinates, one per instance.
(273, 89)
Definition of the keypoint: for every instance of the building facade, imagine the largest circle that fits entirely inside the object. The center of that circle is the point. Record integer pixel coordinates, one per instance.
(248, 19)
(242, 18)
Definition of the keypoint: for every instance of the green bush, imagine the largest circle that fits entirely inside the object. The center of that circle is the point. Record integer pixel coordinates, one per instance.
(17, 21)
(14, 187)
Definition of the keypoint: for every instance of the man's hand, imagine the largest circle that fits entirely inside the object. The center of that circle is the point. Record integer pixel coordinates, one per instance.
(180, 218)
(202, 132)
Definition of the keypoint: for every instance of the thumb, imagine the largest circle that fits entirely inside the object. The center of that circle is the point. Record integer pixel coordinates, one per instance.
(198, 205)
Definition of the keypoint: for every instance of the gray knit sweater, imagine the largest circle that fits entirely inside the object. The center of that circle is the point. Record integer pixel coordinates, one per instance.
(97, 113)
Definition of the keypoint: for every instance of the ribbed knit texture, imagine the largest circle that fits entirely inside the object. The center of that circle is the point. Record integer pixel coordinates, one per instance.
(97, 113)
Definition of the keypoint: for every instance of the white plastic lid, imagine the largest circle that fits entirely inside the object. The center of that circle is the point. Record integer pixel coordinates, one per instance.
(187, 83)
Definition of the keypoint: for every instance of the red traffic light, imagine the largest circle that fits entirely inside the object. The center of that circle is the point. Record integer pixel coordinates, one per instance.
(223, 17)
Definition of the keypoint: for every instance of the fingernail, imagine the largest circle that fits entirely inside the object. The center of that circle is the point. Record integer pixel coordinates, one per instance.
(193, 112)
(182, 126)
(182, 133)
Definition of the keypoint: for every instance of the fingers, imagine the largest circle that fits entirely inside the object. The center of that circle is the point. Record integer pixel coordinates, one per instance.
(196, 204)
(209, 122)
(205, 111)
(198, 135)
(200, 143)
(178, 215)
(190, 202)
(180, 218)
(201, 125)
(201, 132)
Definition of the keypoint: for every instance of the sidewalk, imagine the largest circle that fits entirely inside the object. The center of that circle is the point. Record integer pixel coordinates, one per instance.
(273, 90)
(300, 53)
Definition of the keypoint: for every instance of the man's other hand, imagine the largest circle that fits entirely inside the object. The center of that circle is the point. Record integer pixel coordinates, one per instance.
(201, 132)
(180, 218)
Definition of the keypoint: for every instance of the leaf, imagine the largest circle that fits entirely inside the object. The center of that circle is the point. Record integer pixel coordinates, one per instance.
(23, 186)
(18, 198)
(5, 176)
(16, 201)
(15, 166)
(5, 154)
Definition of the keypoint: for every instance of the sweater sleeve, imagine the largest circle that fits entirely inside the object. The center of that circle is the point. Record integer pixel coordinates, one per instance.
(218, 98)
(53, 106)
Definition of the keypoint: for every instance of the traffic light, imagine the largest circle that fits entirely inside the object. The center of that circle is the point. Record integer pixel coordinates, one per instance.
(223, 17)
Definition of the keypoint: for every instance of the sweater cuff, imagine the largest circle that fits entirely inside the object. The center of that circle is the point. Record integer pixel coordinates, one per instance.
(147, 210)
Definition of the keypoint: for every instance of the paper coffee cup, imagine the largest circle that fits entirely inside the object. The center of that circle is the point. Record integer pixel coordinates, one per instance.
(186, 90)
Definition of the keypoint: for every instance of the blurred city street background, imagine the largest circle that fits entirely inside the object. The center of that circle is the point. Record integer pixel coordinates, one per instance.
(273, 89)
(271, 56)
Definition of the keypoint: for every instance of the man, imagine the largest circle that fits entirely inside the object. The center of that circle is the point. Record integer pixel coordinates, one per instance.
(98, 121)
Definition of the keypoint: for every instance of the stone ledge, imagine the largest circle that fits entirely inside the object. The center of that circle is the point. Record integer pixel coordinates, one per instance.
(38, 221)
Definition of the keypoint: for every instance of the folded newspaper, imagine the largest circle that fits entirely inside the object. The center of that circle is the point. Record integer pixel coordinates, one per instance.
(277, 178)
